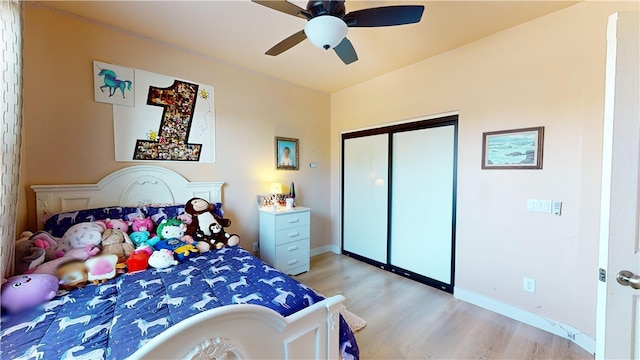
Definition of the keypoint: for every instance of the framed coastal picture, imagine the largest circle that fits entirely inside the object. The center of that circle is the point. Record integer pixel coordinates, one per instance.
(513, 149)
(287, 153)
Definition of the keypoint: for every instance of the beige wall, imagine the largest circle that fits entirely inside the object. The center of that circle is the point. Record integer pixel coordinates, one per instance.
(68, 138)
(547, 72)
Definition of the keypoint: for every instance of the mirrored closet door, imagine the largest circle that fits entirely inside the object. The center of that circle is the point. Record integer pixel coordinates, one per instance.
(399, 199)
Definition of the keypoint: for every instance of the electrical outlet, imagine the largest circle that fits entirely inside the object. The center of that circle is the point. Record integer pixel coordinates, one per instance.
(529, 285)
(256, 246)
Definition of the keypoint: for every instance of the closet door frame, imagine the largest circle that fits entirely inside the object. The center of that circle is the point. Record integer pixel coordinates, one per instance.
(450, 120)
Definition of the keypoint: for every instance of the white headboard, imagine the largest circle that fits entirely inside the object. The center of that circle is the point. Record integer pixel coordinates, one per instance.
(131, 186)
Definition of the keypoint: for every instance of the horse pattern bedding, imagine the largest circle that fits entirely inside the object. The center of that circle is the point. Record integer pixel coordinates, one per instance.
(114, 319)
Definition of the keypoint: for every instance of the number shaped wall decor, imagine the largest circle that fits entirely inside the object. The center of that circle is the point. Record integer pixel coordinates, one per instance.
(171, 143)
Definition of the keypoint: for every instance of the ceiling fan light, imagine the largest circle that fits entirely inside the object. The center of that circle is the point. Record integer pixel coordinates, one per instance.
(325, 31)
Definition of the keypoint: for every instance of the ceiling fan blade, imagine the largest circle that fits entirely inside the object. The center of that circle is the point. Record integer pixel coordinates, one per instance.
(346, 52)
(283, 6)
(287, 43)
(385, 16)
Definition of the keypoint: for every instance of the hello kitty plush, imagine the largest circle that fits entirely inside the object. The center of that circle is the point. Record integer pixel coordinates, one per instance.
(162, 258)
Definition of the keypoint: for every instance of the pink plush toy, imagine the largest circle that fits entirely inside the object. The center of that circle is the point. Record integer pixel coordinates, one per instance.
(77, 236)
(185, 218)
(116, 224)
(101, 268)
(50, 267)
(23, 292)
(142, 224)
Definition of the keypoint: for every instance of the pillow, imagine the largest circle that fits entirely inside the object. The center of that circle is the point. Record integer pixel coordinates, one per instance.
(157, 213)
(58, 223)
(160, 212)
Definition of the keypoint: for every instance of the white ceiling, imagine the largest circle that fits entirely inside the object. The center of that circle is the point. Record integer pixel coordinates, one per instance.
(239, 32)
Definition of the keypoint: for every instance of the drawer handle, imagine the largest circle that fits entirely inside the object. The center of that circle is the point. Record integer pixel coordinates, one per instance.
(293, 221)
(294, 234)
(291, 262)
(292, 248)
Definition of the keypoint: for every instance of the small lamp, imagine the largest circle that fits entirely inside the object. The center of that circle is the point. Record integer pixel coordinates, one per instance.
(325, 31)
(276, 188)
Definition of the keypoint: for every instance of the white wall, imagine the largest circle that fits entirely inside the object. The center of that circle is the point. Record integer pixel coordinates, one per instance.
(548, 72)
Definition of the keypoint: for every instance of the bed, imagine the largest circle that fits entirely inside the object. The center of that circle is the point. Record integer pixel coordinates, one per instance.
(223, 304)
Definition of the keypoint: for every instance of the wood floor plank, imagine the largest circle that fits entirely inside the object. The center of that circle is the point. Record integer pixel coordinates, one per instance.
(409, 320)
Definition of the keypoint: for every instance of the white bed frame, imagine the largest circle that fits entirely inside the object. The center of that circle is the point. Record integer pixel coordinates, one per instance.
(228, 332)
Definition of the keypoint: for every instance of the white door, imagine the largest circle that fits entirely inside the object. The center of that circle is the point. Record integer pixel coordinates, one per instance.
(365, 196)
(422, 201)
(618, 315)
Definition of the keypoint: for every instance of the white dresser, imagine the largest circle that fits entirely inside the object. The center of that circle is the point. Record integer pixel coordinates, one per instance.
(284, 239)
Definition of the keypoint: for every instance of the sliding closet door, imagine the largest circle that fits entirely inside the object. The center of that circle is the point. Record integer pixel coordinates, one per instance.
(365, 196)
(422, 202)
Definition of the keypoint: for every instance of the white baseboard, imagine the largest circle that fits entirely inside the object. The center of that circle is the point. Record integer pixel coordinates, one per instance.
(325, 249)
(528, 318)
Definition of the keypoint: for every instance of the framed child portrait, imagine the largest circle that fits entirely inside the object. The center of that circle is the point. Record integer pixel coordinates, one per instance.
(287, 153)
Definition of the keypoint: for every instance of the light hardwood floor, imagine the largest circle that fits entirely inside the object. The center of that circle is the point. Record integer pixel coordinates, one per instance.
(409, 320)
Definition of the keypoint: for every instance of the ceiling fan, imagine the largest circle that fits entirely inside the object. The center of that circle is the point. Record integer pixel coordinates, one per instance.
(328, 22)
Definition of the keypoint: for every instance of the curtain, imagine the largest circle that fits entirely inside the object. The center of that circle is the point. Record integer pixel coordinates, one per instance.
(11, 99)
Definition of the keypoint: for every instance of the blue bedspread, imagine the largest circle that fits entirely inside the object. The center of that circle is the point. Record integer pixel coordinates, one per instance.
(114, 319)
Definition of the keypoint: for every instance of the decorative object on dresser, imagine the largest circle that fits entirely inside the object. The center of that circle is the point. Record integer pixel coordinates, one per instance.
(284, 239)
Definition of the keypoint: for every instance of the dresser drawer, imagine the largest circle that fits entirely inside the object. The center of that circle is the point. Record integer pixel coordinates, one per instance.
(285, 221)
(292, 255)
(292, 234)
(292, 249)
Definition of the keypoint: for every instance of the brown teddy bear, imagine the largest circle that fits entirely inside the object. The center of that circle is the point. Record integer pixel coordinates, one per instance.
(116, 242)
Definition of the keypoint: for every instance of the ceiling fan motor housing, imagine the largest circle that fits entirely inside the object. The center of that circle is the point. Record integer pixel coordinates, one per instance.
(326, 7)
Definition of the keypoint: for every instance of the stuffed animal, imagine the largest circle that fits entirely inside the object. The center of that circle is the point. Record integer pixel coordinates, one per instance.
(142, 224)
(77, 236)
(72, 274)
(27, 254)
(101, 268)
(117, 224)
(50, 267)
(161, 259)
(202, 215)
(142, 237)
(221, 238)
(171, 234)
(171, 229)
(180, 249)
(116, 242)
(202, 246)
(24, 292)
(207, 226)
(139, 260)
(185, 218)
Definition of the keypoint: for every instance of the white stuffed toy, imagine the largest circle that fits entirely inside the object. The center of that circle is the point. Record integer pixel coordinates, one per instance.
(78, 236)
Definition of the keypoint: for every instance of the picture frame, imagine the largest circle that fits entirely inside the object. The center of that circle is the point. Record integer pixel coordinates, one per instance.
(113, 84)
(287, 152)
(513, 149)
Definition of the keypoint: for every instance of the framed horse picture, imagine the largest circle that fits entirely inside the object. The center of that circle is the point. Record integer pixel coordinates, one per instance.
(113, 84)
